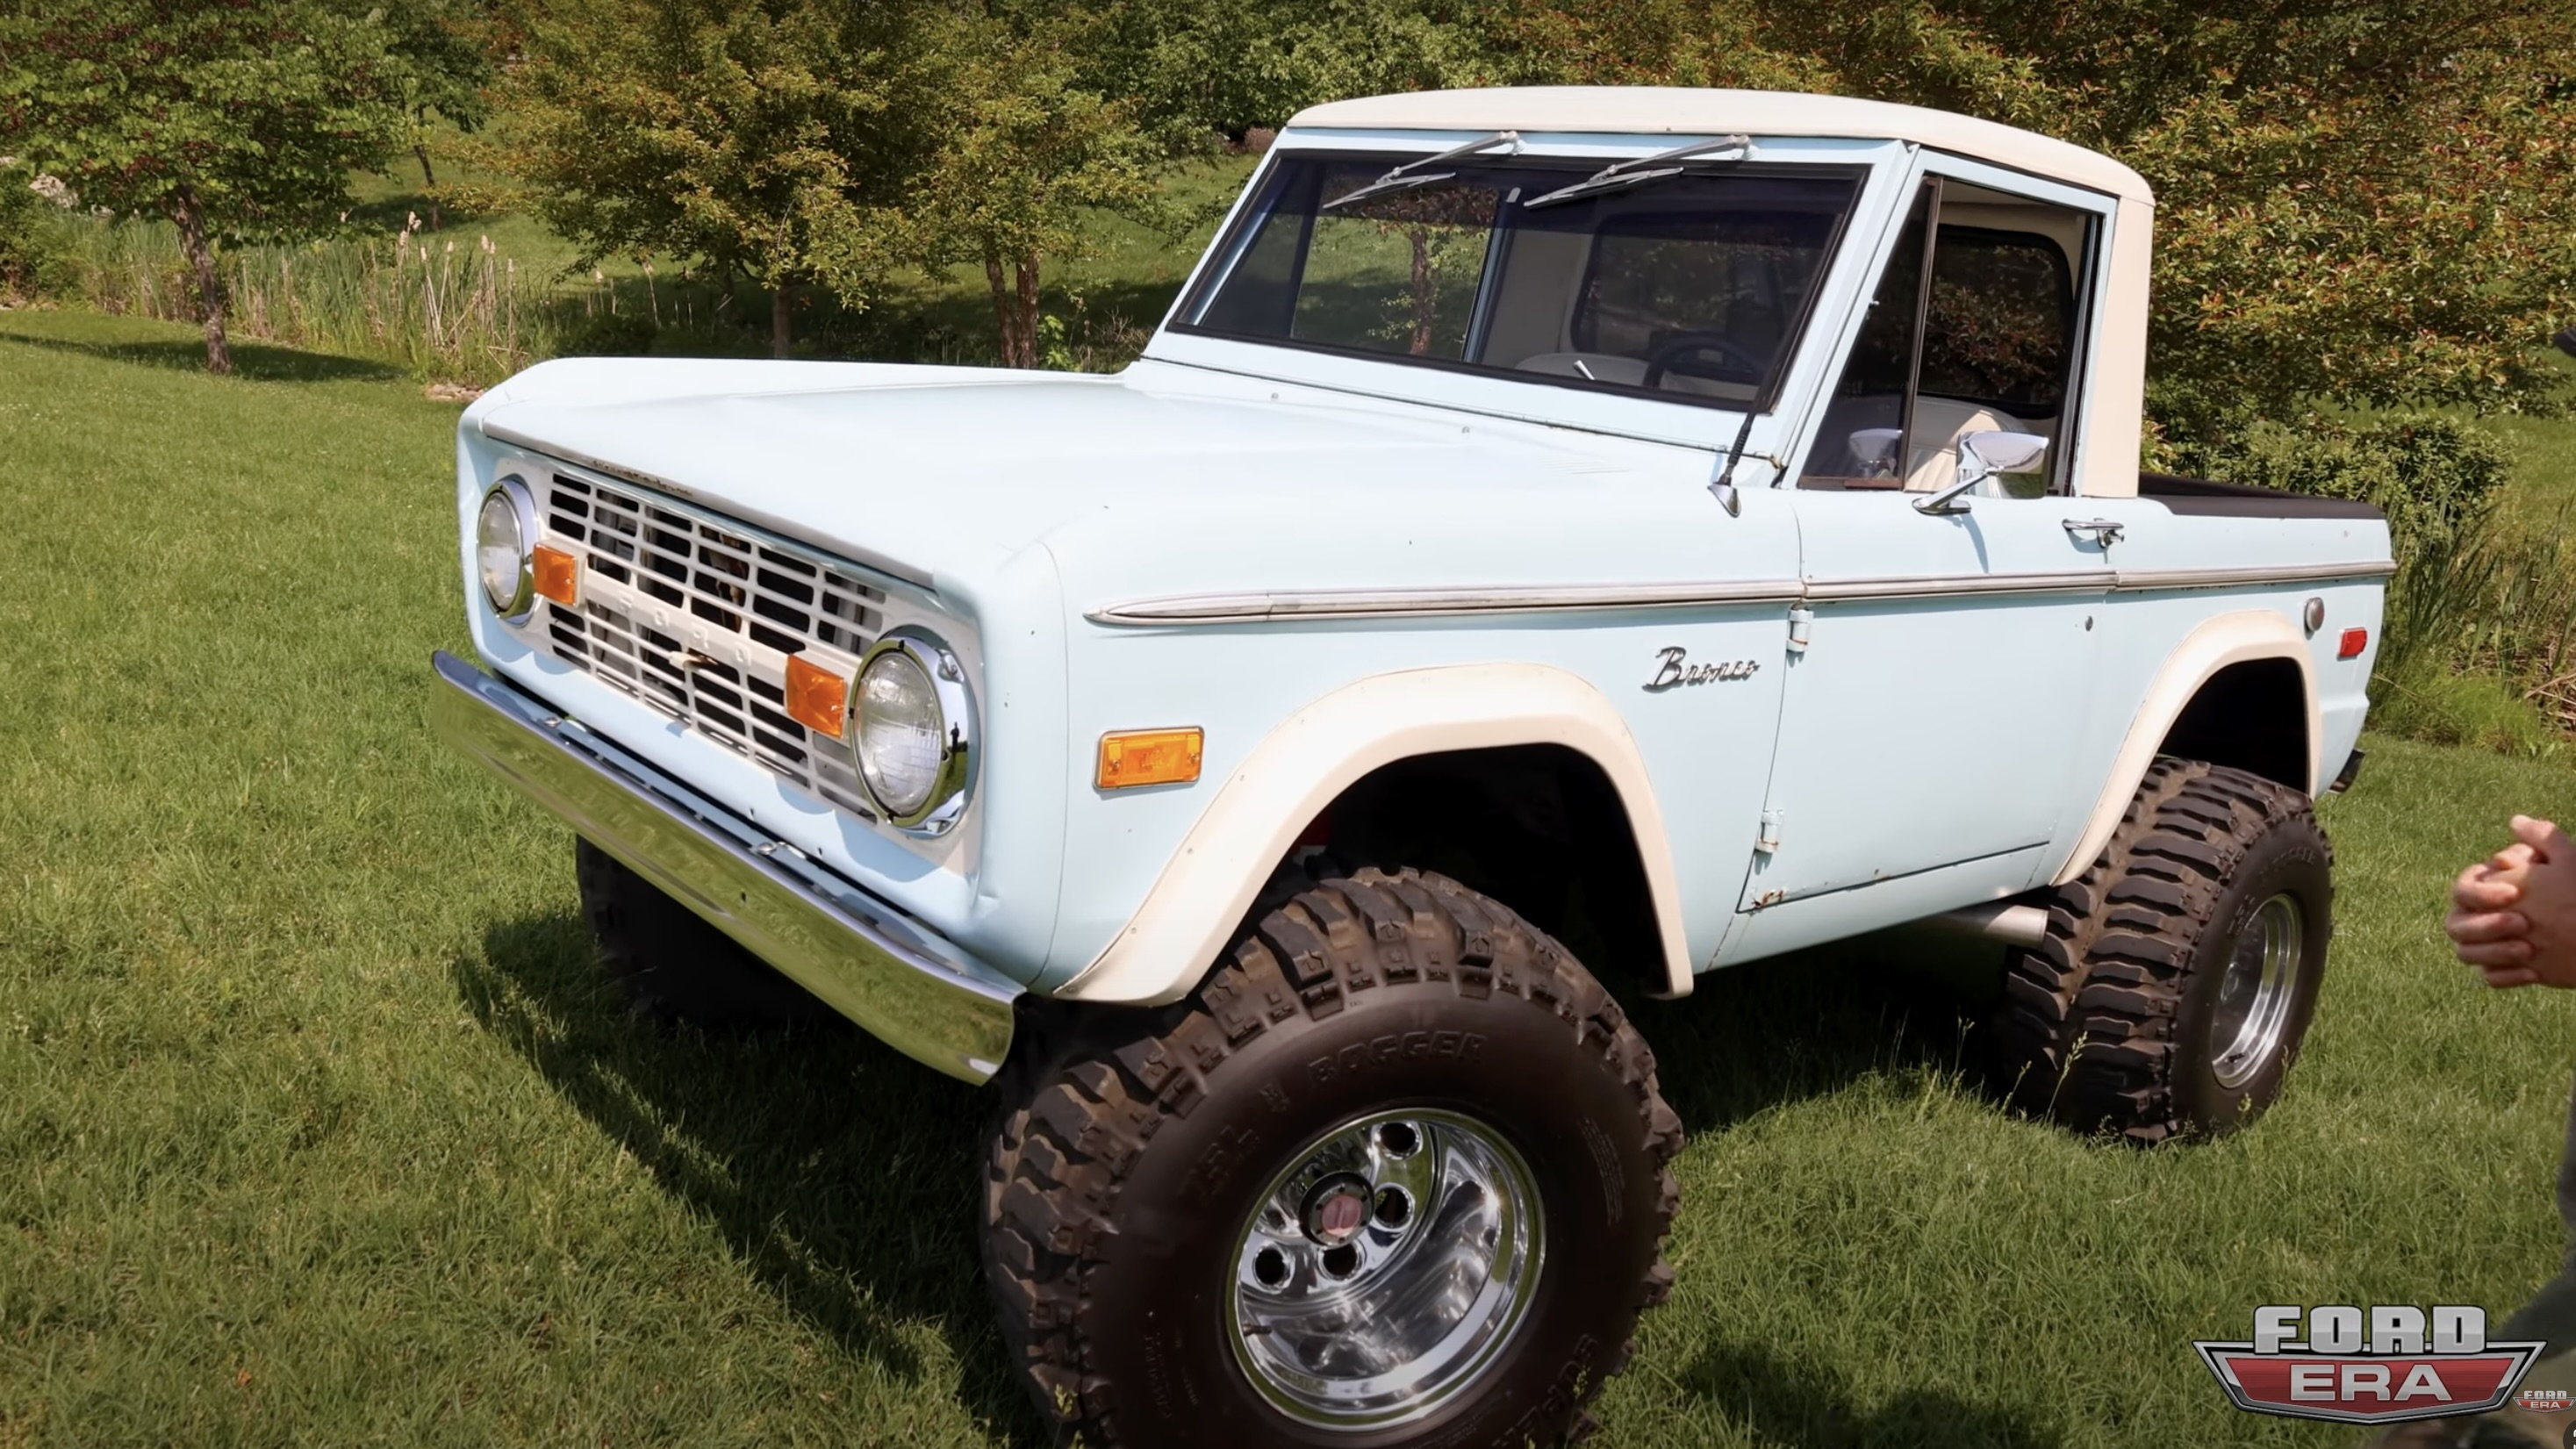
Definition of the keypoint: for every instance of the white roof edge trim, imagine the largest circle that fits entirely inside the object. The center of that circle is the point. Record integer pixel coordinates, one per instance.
(1681, 111)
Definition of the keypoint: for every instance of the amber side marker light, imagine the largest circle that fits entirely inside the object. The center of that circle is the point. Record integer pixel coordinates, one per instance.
(1148, 757)
(555, 575)
(2353, 642)
(817, 698)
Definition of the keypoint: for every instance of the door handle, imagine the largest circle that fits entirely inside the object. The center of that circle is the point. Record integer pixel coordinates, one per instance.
(2105, 531)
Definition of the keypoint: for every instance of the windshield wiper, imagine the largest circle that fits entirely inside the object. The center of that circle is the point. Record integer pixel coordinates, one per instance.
(1398, 178)
(1625, 173)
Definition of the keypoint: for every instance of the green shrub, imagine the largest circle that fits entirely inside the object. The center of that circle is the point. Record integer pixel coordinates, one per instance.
(609, 334)
(2480, 710)
(35, 257)
(2478, 644)
(2435, 476)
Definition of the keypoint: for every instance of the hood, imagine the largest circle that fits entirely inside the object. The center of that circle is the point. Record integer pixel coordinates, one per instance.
(943, 475)
(930, 469)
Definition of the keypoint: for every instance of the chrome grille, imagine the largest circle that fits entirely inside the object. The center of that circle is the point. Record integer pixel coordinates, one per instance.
(648, 562)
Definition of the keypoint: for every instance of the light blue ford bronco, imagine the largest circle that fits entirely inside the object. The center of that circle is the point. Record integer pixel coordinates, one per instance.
(1675, 527)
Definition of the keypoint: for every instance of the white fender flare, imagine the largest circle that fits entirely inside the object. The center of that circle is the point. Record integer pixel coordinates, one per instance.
(2227, 639)
(1189, 916)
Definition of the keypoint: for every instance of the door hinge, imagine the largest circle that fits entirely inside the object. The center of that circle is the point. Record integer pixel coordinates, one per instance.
(1800, 617)
(1768, 841)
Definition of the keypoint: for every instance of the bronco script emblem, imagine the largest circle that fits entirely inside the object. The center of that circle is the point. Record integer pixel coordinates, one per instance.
(1675, 670)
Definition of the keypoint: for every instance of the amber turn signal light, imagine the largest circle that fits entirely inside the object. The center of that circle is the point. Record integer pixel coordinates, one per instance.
(1148, 757)
(2353, 642)
(555, 575)
(817, 698)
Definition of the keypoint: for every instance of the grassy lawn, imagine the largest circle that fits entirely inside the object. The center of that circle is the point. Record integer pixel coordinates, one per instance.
(318, 1131)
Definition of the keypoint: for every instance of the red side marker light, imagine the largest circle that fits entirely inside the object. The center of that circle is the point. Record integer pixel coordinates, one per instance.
(2354, 641)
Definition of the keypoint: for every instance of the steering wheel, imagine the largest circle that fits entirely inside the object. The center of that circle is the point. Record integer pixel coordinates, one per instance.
(1735, 362)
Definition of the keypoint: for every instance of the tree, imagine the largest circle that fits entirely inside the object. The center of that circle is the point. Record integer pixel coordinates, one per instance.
(232, 120)
(2359, 204)
(1196, 70)
(1025, 152)
(778, 138)
(443, 65)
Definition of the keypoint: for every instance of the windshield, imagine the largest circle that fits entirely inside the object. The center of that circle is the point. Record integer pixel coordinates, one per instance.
(1690, 286)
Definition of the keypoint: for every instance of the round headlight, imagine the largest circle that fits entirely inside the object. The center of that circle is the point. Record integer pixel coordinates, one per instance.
(505, 533)
(911, 743)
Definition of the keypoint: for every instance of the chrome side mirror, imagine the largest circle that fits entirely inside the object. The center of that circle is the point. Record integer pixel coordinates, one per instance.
(1982, 455)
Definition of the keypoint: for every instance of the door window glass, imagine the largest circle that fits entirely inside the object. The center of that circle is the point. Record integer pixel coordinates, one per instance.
(1864, 418)
(1995, 349)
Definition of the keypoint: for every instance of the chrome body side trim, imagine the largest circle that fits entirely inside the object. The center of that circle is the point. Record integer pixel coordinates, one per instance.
(910, 989)
(1951, 586)
(2142, 580)
(1187, 609)
(1424, 603)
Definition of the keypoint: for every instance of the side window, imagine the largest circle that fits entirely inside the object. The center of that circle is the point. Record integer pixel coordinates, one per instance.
(1864, 417)
(1995, 347)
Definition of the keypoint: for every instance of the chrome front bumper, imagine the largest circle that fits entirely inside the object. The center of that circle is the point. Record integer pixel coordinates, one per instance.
(910, 989)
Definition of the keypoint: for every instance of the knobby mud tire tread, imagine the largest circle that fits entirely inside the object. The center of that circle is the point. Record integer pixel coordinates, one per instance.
(1084, 1113)
(2087, 1018)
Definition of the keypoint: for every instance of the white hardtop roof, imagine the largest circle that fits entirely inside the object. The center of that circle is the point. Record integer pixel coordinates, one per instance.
(1674, 110)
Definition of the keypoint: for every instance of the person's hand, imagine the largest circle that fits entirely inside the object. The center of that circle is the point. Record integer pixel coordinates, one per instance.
(2485, 929)
(2514, 916)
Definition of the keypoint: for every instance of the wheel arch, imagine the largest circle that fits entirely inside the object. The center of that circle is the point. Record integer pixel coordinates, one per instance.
(2239, 690)
(1319, 755)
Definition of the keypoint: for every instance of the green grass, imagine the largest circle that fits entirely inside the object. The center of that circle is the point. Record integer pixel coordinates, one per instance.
(2544, 482)
(319, 1131)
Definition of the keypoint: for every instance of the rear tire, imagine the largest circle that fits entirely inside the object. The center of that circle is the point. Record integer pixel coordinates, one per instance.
(2176, 982)
(1388, 1084)
(671, 965)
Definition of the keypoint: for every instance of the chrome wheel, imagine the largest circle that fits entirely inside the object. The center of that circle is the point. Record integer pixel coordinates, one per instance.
(1385, 1269)
(2254, 996)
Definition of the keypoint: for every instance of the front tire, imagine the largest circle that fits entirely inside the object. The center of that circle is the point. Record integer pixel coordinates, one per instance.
(671, 966)
(1396, 1107)
(2179, 972)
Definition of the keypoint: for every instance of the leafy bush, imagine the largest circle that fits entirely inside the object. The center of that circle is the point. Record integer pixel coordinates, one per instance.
(610, 334)
(2479, 640)
(2434, 476)
(34, 257)
(2480, 710)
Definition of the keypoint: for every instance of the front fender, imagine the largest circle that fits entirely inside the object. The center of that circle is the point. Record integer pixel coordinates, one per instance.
(1299, 768)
